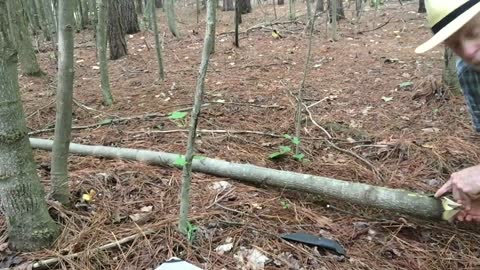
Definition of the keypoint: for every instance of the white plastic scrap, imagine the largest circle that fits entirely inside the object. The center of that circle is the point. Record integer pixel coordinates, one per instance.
(175, 263)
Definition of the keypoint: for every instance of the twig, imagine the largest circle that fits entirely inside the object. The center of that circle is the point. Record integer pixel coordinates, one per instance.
(366, 162)
(46, 263)
(35, 112)
(85, 107)
(376, 28)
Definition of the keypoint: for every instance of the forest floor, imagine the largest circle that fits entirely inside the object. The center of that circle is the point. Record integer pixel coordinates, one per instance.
(358, 88)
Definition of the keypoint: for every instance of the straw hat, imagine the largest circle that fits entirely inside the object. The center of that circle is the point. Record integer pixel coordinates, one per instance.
(445, 17)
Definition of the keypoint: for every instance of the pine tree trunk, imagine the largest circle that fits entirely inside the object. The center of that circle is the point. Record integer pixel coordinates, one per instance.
(171, 17)
(421, 6)
(22, 201)
(139, 7)
(116, 33)
(63, 119)
(158, 43)
(102, 51)
(130, 20)
(28, 59)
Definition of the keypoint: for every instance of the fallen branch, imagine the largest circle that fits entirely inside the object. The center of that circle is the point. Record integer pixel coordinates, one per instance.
(396, 200)
(376, 28)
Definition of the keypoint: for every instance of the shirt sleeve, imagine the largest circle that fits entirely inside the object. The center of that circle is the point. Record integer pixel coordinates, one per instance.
(469, 79)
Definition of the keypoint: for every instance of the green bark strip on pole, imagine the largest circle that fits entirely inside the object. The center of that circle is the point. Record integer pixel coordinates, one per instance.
(394, 200)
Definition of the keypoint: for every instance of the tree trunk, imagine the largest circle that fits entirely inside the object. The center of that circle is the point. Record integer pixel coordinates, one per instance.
(102, 51)
(158, 3)
(238, 17)
(139, 7)
(291, 9)
(130, 20)
(116, 33)
(158, 43)
(228, 5)
(31, 13)
(321, 6)
(280, 2)
(22, 201)
(171, 17)
(197, 104)
(28, 59)
(85, 11)
(51, 23)
(449, 76)
(63, 119)
(333, 18)
(394, 200)
(421, 6)
(43, 21)
(245, 6)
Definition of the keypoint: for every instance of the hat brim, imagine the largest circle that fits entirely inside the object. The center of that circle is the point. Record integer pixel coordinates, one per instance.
(449, 29)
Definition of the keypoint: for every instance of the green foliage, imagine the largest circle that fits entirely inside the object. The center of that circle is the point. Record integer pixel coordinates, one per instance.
(191, 232)
(405, 84)
(179, 118)
(285, 204)
(284, 150)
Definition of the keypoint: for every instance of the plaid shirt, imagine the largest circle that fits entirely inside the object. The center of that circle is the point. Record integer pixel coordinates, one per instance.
(469, 79)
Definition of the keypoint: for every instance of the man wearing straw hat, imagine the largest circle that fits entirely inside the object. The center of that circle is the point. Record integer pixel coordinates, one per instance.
(456, 24)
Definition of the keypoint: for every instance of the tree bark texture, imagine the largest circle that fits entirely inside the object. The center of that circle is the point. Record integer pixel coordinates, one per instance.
(116, 32)
(394, 200)
(28, 59)
(63, 117)
(102, 51)
(129, 16)
(22, 201)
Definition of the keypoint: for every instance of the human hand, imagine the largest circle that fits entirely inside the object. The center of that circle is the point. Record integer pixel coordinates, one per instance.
(465, 186)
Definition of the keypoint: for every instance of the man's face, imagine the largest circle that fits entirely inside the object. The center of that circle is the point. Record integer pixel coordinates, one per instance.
(466, 42)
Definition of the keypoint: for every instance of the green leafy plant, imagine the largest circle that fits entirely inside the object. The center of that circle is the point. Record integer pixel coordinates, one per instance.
(285, 204)
(191, 232)
(284, 150)
(181, 162)
(179, 118)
